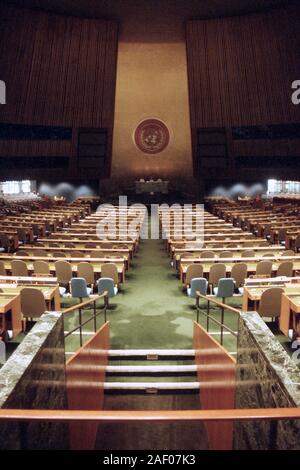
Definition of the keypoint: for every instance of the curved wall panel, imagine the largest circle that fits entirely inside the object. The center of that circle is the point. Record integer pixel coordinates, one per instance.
(59, 71)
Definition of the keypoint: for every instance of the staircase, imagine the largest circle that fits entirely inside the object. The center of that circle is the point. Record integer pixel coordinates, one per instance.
(151, 379)
(151, 371)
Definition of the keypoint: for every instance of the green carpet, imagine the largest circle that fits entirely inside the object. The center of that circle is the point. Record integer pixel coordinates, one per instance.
(152, 310)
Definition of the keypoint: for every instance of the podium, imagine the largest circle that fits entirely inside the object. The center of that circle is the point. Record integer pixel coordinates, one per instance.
(151, 186)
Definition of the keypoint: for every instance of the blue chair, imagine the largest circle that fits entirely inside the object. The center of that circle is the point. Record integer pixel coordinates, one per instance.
(225, 288)
(107, 284)
(197, 284)
(79, 288)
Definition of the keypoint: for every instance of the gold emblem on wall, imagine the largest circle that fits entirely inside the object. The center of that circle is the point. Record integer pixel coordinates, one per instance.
(151, 136)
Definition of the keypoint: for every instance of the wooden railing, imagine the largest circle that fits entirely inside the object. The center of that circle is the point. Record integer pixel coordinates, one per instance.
(121, 416)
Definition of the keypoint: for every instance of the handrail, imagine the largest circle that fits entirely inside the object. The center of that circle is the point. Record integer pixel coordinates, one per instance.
(82, 304)
(222, 306)
(125, 416)
(93, 317)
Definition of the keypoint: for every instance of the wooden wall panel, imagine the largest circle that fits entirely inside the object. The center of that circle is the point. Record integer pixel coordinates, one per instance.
(59, 71)
(240, 73)
(215, 395)
(85, 386)
(241, 69)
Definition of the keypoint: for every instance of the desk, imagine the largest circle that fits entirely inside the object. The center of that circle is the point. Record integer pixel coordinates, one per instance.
(51, 293)
(11, 303)
(151, 187)
(290, 303)
(254, 293)
(96, 262)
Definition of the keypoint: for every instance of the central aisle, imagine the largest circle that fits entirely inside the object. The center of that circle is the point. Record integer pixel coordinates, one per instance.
(151, 309)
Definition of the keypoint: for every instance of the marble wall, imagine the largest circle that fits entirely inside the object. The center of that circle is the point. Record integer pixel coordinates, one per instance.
(266, 378)
(34, 378)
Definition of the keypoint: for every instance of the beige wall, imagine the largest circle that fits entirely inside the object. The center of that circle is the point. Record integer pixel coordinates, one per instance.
(152, 83)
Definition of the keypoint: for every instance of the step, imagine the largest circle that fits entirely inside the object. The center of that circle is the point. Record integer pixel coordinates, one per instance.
(151, 369)
(151, 354)
(150, 386)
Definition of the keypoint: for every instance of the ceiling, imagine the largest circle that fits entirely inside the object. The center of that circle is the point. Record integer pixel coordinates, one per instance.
(156, 17)
(120, 9)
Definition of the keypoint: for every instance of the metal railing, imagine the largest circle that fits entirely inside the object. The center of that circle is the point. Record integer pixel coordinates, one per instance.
(96, 314)
(222, 306)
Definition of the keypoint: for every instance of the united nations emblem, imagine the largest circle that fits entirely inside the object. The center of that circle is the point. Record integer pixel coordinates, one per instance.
(151, 136)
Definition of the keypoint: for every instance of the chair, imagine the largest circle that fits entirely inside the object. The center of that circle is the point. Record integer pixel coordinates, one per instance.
(22, 235)
(281, 234)
(86, 271)
(207, 254)
(98, 254)
(41, 267)
(193, 270)
(19, 268)
(54, 245)
(225, 288)
(4, 242)
(58, 254)
(110, 270)
(239, 274)
(288, 253)
(33, 303)
(2, 269)
(22, 253)
(39, 244)
(90, 245)
(297, 243)
(36, 230)
(248, 254)
(268, 255)
(107, 246)
(264, 268)
(270, 302)
(41, 253)
(185, 254)
(64, 274)
(264, 244)
(285, 269)
(107, 284)
(77, 254)
(225, 254)
(216, 272)
(69, 245)
(198, 284)
(79, 288)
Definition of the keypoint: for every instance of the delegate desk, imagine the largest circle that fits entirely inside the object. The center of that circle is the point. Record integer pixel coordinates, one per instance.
(133, 244)
(51, 293)
(96, 262)
(240, 243)
(126, 253)
(229, 263)
(290, 304)
(290, 310)
(10, 312)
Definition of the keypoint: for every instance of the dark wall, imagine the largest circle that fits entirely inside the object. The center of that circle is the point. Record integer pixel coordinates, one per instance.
(59, 71)
(240, 74)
